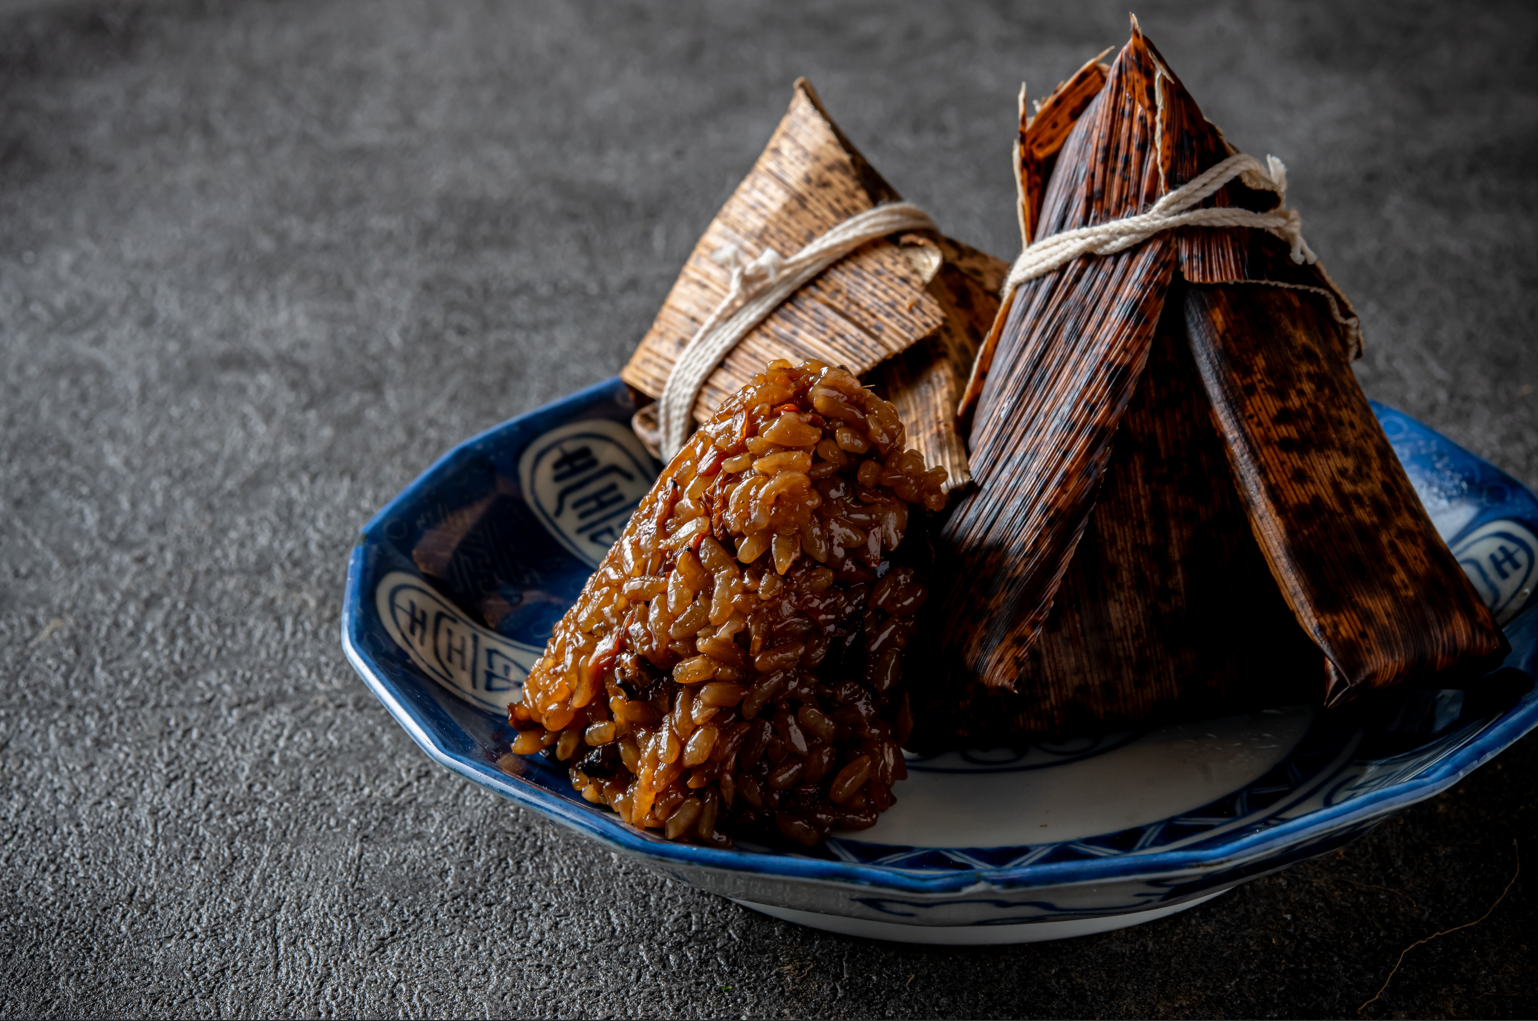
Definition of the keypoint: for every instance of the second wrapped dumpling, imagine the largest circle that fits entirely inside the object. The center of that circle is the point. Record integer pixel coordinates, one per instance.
(734, 667)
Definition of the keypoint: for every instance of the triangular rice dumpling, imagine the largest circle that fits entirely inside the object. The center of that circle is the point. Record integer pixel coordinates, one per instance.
(1184, 503)
(919, 293)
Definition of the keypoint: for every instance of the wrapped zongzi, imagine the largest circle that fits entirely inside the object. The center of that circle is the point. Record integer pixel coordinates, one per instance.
(1184, 504)
(905, 310)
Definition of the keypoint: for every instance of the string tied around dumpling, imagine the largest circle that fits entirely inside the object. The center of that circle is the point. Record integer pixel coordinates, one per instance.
(756, 288)
(1175, 210)
(766, 267)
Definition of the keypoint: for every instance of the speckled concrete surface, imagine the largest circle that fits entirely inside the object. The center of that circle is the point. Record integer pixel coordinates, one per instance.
(261, 263)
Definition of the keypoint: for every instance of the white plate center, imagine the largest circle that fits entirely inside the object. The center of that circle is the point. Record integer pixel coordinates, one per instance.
(950, 802)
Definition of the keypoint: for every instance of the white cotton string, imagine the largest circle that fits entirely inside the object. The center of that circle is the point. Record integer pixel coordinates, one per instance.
(757, 289)
(1174, 210)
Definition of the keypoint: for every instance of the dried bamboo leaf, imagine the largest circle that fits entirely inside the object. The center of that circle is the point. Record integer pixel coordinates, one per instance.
(925, 382)
(922, 297)
(1028, 178)
(980, 275)
(859, 312)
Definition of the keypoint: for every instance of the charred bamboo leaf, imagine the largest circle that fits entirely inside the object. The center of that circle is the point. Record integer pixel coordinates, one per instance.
(1348, 541)
(1069, 359)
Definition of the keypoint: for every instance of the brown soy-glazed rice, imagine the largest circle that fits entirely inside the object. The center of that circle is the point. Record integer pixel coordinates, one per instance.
(734, 667)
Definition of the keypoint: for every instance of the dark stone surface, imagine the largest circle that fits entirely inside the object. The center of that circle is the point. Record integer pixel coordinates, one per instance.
(261, 263)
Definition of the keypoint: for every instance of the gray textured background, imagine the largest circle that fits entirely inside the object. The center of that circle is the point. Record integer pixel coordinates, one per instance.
(261, 263)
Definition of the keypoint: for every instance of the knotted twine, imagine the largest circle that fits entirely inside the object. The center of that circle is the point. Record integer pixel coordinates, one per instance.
(757, 289)
(1174, 210)
(1171, 211)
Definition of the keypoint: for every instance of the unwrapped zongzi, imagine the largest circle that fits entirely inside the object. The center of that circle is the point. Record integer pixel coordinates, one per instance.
(735, 665)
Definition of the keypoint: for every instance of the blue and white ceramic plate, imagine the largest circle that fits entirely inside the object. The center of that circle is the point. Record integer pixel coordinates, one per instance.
(453, 588)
